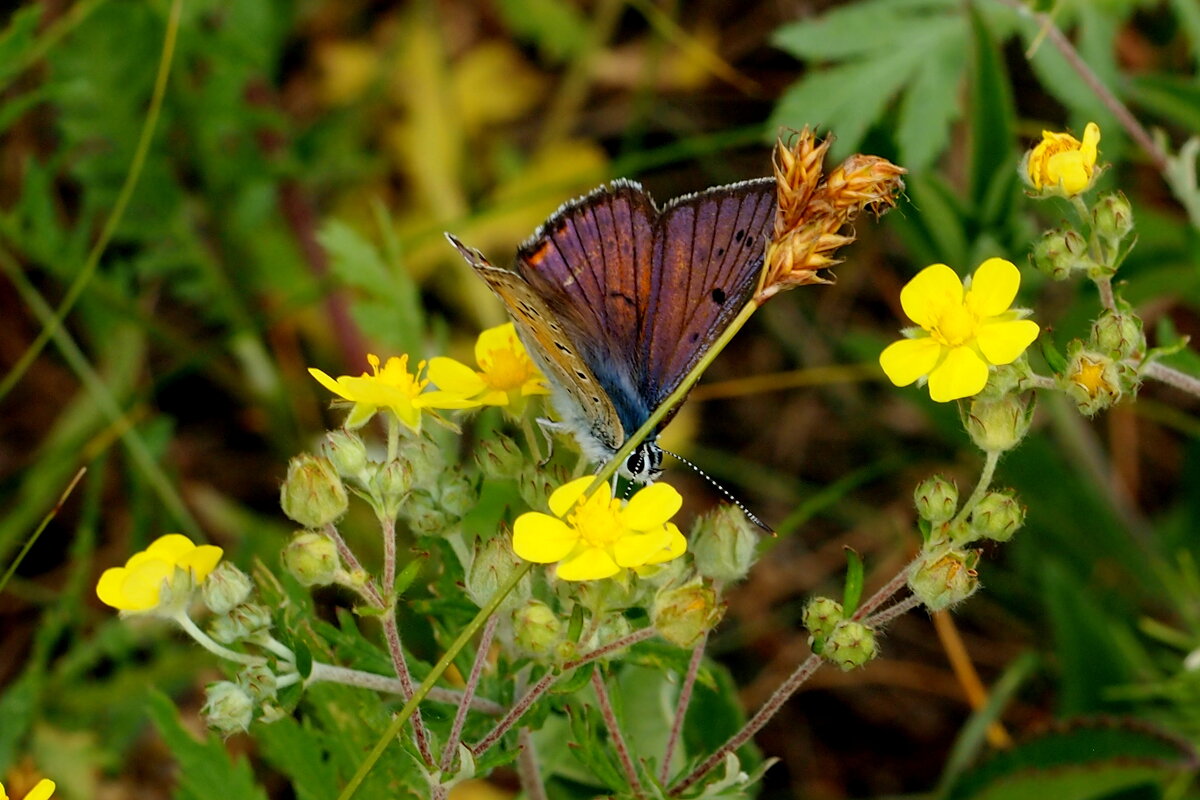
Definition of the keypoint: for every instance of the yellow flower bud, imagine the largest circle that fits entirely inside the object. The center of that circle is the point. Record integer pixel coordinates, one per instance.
(1061, 164)
(682, 615)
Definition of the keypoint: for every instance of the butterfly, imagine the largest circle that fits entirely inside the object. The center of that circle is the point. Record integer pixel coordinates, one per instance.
(616, 301)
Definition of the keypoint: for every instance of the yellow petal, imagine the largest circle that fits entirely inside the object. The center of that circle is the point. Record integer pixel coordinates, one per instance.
(455, 377)
(961, 374)
(360, 415)
(1003, 342)
(326, 381)
(1091, 143)
(1068, 171)
(141, 586)
(201, 561)
(542, 539)
(439, 399)
(908, 359)
(591, 564)
(993, 287)
(676, 546)
(929, 293)
(170, 547)
(565, 496)
(651, 507)
(108, 588)
(501, 337)
(637, 549)
(45, 787)
(534, 386)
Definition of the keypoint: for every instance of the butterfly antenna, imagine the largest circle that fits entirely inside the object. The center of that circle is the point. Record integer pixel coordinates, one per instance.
(750, 515)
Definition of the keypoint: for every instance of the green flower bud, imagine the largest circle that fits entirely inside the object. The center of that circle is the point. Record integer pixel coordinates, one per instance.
(614, 626)
(427, 462)
(997, 425)
(684, 614)
(259, 682)
(348, 455)
(271, 712)
(312, 558)
(425, 516)
(1119, 335)
(997, 516)
(1095, 381)
(1113, 217)
(536, 484)
(499, 457)
(1059, 253)
(313, 494)
(821, 616)
(225, 587)
(390, 486)
(941, 578)
(228, 708)
(723, 545)
(240, 623)
(492, 565)
(536, 628)
(457, 493)
(936, 499)
(850, 644)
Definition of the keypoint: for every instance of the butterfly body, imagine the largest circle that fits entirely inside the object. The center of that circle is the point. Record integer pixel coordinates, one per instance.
(616, 301)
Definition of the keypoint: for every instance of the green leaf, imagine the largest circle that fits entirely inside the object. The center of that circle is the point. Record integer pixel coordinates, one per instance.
(992, 114)
(1172, 96)
(295, 750)
(930, 105)
(1082, 760)
(18, 39)
(555, 26)
(859, 29)
(206, 770)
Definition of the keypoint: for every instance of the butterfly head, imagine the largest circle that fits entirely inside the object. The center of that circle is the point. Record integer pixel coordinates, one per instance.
(644, 464)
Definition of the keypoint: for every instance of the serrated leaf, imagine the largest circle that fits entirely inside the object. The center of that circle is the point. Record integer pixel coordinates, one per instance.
(1083, 760)
(859, 29)
(929, 105)
(206, 770)
(295, 750)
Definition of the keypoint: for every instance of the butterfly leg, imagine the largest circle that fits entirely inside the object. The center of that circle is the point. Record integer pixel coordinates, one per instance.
(549, 428)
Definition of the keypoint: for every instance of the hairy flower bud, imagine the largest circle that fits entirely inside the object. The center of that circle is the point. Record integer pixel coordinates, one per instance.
(348, 455)
(427, 462)
(821, 616)
(936, 499)
(536, 628)
(941, 578)
(1059, 253)
(425, 515)
(226, 587)
(259, 682)
(1093, 380)
(850, 644)
(997, 516)
(390, 485)
(457, 493)
(312, 558)
(1119, 335)
(313, 494)
(723, 545)
(499, 457)
(997, 425)
(228, 707)
(1113, 216)
(492, 565)
(240, 623)
(684, 614)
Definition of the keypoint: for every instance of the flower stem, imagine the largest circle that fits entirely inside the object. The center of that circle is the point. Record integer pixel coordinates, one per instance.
(1172, 377)
(382, 683)
(391, 633)
(208, 644)
(434, 675)
(892, 611)
(528, 769)
(614, 733)
(985, 480)
(882, 594)
(531, 439)
(681, 706)
(1104, 284)
(368, 590)
(460, 716)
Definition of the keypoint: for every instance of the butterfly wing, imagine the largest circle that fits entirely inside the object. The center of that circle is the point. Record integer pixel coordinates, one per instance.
(708, 252)
(579, 398)
(591, 265)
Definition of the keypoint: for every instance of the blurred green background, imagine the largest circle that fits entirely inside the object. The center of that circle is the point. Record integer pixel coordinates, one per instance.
(288, 212)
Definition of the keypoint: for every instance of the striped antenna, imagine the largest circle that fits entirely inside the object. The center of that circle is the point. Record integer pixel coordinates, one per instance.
(728, 496)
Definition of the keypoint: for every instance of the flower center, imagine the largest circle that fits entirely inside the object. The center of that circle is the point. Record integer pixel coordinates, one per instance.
(955, 327)
(598, 522)
(506, 369)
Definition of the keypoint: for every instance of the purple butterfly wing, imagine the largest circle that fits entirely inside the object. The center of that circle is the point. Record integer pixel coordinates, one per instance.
(708, 253)
(591, 263)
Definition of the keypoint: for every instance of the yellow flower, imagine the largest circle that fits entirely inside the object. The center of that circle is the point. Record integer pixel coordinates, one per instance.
(172, 561)
(393, 388)
(599, 536)
(45, 787)
(506, 374)
(962, 331)
(1061, 164)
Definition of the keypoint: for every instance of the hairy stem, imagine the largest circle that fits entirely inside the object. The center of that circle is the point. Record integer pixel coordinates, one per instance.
(391, 633)
(528, 768)
(460, 716)
(614, 733)
(384, 683)
(681, 706)
(1172, 377)
(990, 461)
